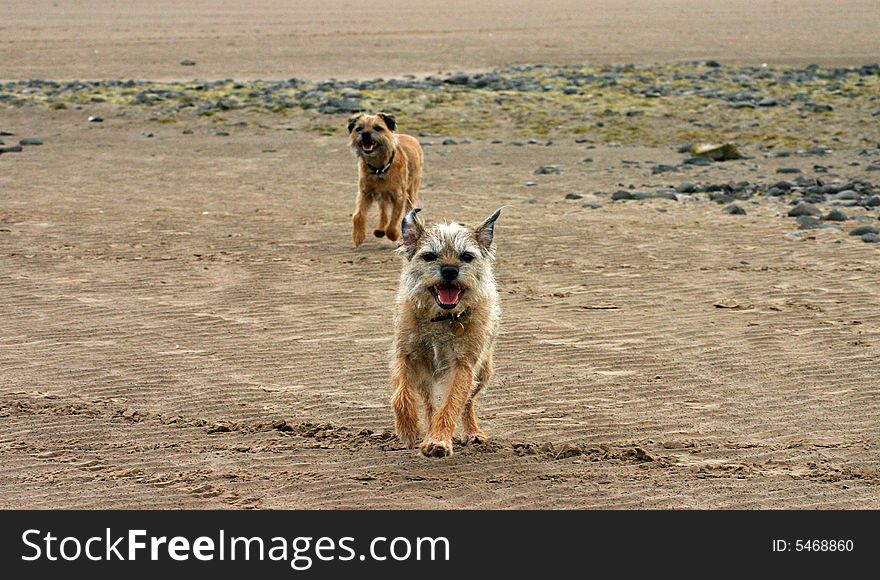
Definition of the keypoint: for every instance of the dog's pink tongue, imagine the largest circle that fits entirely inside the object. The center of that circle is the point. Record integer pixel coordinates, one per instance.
(448, 295)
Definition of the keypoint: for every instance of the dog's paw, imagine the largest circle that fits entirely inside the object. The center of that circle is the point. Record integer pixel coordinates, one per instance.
(379, 233)
(436, 448)
(477, 438)
(408, 439)
(358, 237)
(393, 234)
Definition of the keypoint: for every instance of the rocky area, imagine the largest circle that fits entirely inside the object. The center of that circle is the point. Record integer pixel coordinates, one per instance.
(771, 108)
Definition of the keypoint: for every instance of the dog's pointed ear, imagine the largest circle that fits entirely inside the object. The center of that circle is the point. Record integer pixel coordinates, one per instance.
(486, 232)
(353, 121)
(411, 228)
(389, 120)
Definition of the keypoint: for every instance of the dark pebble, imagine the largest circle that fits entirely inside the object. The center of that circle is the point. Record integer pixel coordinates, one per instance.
(686, 148)
(808, 222)
(804, 208)
(668, 194)
(785, 185)
(621, 195)
(788, 170)
(862, 230)
(586, 160)
(449, 142)
(698, 161)
(332, 106)
(835, 215)
(95, 119)
(805, 181)
(846, 194)
(459, 78)
(768, 102)
(686, 187)
(7, 134)
(734, 209)
(712, 63)
(873, 201)
(592, 205)
(661, 168)
(582, 140)
(573, 196)
(222, 133)
(187, 62)
(547, 170)
(30, 141)
(873, 167)
(10, 149)
(720, 197)
(187, 131)
(821, 108)
(871, 238)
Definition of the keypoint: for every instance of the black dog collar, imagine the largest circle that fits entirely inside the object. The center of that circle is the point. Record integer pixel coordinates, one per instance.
(449, 316)
(380, 170)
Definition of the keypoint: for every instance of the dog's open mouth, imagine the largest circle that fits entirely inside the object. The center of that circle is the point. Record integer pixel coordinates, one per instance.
(447, 296)
(367, 143)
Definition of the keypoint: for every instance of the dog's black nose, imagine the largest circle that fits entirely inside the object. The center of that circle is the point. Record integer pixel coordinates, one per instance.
(449, 272)
(367, 137)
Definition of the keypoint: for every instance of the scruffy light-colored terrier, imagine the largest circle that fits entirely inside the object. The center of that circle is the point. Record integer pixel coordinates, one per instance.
(390, 171)
(444, 331)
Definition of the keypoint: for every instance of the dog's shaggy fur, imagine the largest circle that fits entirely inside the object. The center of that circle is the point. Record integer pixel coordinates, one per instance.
(390, 170)
(447, 276)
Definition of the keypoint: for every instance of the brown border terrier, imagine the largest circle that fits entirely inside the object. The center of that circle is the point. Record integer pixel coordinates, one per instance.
(444, 331)
(390, 170)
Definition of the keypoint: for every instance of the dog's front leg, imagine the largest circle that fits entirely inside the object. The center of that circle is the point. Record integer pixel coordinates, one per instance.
(359, 219)
(393, 231)
(383, 219)
(406, 414)
(438, 442)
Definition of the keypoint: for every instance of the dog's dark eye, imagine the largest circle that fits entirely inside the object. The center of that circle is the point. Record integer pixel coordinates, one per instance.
(429, 256)
(359, 128)
(378, 128)
(467, 257)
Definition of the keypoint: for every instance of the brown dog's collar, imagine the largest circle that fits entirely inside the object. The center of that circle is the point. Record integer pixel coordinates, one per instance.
(449, 316)
(456, 326)
(381, 170)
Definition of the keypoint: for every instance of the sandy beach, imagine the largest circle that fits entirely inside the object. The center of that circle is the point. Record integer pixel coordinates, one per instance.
(187, 325)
